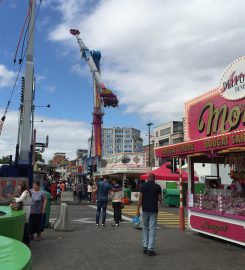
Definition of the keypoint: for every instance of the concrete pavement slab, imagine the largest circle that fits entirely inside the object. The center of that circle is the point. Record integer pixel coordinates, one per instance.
(91, 248)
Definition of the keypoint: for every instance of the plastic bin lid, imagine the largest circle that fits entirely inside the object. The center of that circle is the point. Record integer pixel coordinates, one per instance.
(14, 254)
(172, 191)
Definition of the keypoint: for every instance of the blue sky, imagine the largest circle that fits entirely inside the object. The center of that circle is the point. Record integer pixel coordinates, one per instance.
(155, 55)
(69, 94)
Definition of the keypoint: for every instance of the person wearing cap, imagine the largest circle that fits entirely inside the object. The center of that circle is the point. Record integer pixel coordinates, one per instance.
(150, 196)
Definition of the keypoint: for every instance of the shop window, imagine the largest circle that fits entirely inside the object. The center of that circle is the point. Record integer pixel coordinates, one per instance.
(165, 131)
(164, 142)
(177, 140)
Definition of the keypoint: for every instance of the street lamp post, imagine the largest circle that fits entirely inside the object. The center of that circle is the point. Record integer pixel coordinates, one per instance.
(41, 121)
(149, 142)
(42, 106)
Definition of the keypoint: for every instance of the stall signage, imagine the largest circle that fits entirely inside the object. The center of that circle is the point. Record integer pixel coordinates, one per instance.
(214, 115)
(179, 149)
(221, 110)
(126, 159)
(202, 146)
(233, 80)
(219, 228)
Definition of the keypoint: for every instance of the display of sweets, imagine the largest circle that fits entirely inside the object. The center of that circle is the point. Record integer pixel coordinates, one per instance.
(220, 204)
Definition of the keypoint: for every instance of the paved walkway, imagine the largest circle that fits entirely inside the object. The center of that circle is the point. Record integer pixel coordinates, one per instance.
(91, 248)
(166, 218)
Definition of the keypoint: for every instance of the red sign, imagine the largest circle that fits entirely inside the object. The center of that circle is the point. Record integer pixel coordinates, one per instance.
(211, 144)
(218, 228)
(212, 114)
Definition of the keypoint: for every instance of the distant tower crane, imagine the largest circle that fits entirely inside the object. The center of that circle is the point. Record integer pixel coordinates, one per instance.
(102, 96)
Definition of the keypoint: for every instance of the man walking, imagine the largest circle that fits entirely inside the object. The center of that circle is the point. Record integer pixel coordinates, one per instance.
(102, 200)
(150, 196)
(116, 193)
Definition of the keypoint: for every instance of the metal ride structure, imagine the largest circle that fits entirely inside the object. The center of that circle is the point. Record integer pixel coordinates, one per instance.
(23, 165)
(103, 97)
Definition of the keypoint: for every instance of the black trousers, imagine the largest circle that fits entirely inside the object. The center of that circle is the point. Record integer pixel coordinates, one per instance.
(26, 236)
(117, 211)
(35, 223)
(89, 196)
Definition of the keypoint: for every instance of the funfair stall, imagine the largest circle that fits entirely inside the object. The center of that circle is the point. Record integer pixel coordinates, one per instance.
(215, 133)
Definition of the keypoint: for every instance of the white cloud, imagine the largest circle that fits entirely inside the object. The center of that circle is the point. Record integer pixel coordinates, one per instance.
(80, 70)
(64, 135)
(6, 76)
(39, 78)
(156, 54)
(50, 88)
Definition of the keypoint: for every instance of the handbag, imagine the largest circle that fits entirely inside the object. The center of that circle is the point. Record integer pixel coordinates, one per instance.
(136, 221)
(16, 206)
(122, 205)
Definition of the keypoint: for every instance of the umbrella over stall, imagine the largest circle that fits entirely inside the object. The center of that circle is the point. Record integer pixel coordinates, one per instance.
(163, 173)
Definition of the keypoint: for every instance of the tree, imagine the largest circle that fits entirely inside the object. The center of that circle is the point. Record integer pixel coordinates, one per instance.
(39, 157)
(5, 160)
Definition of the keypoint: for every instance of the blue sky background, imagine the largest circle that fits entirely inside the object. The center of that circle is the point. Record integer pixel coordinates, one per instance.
(155, 55)
(69, 94)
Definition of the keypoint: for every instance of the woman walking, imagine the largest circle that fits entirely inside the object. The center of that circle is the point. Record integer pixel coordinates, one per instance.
(38, 206)
(116, 193)
(25, 198)
(89, 192)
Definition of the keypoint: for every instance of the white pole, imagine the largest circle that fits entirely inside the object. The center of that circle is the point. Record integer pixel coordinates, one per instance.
(25, 138)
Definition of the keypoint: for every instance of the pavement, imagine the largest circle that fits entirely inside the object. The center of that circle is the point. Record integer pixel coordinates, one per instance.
(90, 248)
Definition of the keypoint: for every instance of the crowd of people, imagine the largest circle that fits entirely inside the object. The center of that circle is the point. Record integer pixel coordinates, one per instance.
(34, 205)
(35, 200)
(149, 200)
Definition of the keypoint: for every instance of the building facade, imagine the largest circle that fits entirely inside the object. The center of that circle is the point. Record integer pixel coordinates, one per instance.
(169, 133)
(152, 162)
(58, 159)
(121, 140)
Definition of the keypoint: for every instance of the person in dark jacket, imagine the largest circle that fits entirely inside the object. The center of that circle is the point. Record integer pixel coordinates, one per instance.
(150, 197)
(102, 199)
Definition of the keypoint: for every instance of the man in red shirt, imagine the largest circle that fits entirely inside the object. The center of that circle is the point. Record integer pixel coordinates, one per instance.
(63, 186)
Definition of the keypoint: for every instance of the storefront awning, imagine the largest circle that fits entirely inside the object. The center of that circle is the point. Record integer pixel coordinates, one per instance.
(211, 146)
(163, 173)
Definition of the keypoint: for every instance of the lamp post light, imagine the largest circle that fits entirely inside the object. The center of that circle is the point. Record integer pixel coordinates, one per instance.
(41, 121)
(149, 142)
(41, 106)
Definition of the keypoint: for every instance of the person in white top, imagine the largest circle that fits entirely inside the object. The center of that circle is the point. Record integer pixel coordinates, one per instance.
(116, 193)
(89, 193)
(25, 198)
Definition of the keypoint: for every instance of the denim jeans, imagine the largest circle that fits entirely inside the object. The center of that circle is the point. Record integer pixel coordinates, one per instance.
(149, 230)
(101, 203)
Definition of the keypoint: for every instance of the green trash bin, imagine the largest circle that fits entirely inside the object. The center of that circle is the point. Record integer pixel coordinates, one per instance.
(171, 197)
(12, 223)
(127, 193)
(171, 185)
(14, 255)
(199, 188)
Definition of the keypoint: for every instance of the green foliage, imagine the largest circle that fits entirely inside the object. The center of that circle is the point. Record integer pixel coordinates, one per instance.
(5, 160)
(39, 157)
